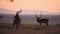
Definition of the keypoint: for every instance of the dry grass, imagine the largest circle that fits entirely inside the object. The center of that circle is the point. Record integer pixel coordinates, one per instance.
(6, 28)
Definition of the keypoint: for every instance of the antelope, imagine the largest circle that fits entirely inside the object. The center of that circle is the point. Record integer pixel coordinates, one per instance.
(40, 21)
(17, 19)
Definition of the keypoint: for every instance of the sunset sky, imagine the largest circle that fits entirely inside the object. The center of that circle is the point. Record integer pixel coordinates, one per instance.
(52, 6)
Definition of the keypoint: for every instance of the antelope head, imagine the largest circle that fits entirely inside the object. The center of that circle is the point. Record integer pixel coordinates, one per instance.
(39, 16)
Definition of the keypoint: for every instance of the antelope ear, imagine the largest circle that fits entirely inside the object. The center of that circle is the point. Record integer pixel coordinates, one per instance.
(20, 10)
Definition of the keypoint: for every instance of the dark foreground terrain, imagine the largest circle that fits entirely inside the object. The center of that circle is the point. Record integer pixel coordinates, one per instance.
(29, 29)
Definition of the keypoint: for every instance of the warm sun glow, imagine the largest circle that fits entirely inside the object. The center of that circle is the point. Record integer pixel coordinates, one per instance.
(45, 5)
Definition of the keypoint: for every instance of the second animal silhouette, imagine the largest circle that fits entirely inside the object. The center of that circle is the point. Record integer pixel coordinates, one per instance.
(39, 20)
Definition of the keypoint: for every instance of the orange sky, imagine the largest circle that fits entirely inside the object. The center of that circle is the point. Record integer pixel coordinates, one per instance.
(46, 5)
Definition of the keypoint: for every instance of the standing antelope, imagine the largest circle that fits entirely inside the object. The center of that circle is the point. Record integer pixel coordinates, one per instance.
(39, 20)
(17, 19)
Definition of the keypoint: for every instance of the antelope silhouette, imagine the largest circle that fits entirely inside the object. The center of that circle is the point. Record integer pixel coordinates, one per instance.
(40, 21)
(17, 19)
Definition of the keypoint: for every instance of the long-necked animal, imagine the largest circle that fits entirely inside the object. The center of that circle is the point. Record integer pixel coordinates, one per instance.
(17, 19)
(40, 21)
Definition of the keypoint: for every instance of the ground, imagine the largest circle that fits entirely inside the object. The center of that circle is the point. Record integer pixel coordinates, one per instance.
(29, 29)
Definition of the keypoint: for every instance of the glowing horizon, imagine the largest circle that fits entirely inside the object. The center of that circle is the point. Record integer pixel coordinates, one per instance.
(26, 12)
(52, 6)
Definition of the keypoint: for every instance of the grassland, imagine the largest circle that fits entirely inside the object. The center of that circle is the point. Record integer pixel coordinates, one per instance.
(6, 28)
